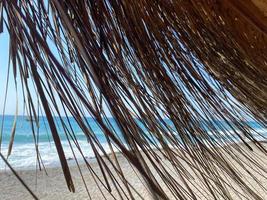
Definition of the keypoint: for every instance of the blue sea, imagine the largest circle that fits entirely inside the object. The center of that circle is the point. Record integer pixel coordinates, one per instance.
(23, 155)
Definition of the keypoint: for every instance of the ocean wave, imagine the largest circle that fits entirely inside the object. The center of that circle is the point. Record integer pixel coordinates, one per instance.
(22, 137)
(24, 156)
(24, 151)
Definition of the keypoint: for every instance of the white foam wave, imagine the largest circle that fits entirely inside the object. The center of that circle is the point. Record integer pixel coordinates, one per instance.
(24, 155)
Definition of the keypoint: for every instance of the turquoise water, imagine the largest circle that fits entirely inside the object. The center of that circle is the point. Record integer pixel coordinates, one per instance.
(24, 151)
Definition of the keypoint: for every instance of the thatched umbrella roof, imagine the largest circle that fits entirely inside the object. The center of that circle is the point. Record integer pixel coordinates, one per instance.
(191, 61)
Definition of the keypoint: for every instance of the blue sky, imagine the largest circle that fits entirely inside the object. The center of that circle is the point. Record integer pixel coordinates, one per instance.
(10, 108)
(11, 98)
(4, 48)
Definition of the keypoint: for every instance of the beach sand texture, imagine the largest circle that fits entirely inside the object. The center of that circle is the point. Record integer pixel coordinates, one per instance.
(53, 186)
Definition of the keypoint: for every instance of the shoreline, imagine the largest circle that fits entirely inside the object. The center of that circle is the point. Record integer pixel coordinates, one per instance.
(92, 159)
(53, 186)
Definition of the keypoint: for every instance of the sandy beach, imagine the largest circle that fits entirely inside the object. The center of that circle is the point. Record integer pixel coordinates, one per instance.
(178, 88)
(52, 186)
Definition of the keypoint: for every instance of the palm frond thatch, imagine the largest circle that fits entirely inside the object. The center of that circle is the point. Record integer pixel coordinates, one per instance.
(193, 62)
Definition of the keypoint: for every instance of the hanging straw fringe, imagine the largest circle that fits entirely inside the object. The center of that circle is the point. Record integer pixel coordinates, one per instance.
(201, 64)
